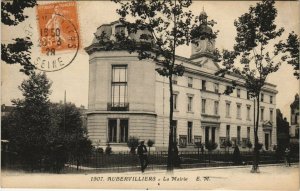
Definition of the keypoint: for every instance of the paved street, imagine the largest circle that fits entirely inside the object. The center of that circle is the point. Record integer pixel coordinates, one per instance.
(271, 178)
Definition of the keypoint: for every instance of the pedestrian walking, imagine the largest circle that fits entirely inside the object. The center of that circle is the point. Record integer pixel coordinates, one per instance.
(287, 157)
(236, 155)
(143, 155)
(202, 149)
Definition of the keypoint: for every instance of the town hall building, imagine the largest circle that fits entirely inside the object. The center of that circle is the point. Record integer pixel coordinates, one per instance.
(127, 98)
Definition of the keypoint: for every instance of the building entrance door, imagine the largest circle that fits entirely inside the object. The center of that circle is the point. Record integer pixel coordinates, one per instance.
(267, 141)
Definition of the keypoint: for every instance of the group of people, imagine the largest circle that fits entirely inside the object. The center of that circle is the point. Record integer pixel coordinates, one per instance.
(143, 155)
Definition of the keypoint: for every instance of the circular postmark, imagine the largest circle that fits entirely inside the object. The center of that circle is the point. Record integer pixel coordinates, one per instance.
(58, 41)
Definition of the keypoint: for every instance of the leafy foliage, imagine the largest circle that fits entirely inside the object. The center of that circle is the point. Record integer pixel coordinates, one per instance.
(41, 132)
(291, 46)
(133, 143)
(210, 146)
(18, 52)
(162, 26)
(227, 143)
(12, 12)
(67, 129)
(249, 144)
(108, 149)
(30, 120)
(198, 144)
(150, 143)
(255, 30)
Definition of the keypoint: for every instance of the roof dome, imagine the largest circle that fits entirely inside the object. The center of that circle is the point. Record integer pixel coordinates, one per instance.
(205, 29)
(107, 29)
(203, 14)
(202, 31)
(110, 30)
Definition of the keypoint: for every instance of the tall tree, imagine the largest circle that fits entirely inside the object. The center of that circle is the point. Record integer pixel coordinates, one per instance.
(283, 137)
(252, 49)
(31, 119)
(44, 133)
(164, 26)
(18, 52)
(67, 134)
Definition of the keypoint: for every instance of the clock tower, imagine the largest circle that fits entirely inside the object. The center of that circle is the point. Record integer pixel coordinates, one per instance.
(203, 39)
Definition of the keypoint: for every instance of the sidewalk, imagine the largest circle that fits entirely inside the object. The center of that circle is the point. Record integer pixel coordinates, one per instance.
(271, 177)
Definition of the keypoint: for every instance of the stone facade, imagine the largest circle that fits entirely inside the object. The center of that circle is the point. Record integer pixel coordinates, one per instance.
(140, 107)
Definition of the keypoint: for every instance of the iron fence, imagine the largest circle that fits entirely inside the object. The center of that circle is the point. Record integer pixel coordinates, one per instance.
(125, 161)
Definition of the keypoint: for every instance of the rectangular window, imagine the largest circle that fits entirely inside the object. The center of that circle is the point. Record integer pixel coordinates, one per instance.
(248, 95)
(216, 87)
(262, 97)
(175, 97)
(227, 109)
(203, 105)
(190, 82)
(123, 130)
(190, 131)
(112, 130)
(213, 134)
(238, 92)
(248, 133)
(182, 141)
(238, 111)
(271, 115)
(228, 132)
(248, 112)
(216, 108)
(203, 84)
(120, 29)
(262, 114)
(271, 99)
(119, 87)
(238, 135)
(190, 103)
(174, 79)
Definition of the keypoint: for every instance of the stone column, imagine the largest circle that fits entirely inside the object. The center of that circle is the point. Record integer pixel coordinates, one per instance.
(118, 130)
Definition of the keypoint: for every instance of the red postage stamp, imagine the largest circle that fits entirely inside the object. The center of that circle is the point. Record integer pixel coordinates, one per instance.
(58, 27)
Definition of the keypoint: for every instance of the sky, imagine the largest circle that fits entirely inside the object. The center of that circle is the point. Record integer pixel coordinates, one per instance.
(91, 14)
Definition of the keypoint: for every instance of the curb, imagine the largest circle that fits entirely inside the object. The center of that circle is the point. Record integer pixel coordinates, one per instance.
(150, 170)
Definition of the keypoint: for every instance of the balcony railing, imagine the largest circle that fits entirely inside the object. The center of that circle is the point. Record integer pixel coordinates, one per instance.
(117, 106)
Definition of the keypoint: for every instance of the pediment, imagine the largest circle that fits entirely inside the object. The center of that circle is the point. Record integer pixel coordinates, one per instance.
(267, 124)
(207, 62)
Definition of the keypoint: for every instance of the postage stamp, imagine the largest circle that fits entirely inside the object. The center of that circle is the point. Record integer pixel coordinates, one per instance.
(58, 33)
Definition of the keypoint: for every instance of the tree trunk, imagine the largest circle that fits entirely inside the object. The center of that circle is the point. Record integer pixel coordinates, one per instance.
(170, 164)
(255, 168)
(77, 164)
(172, 156)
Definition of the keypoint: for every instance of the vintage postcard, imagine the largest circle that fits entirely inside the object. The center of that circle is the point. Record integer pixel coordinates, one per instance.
(150, 94)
